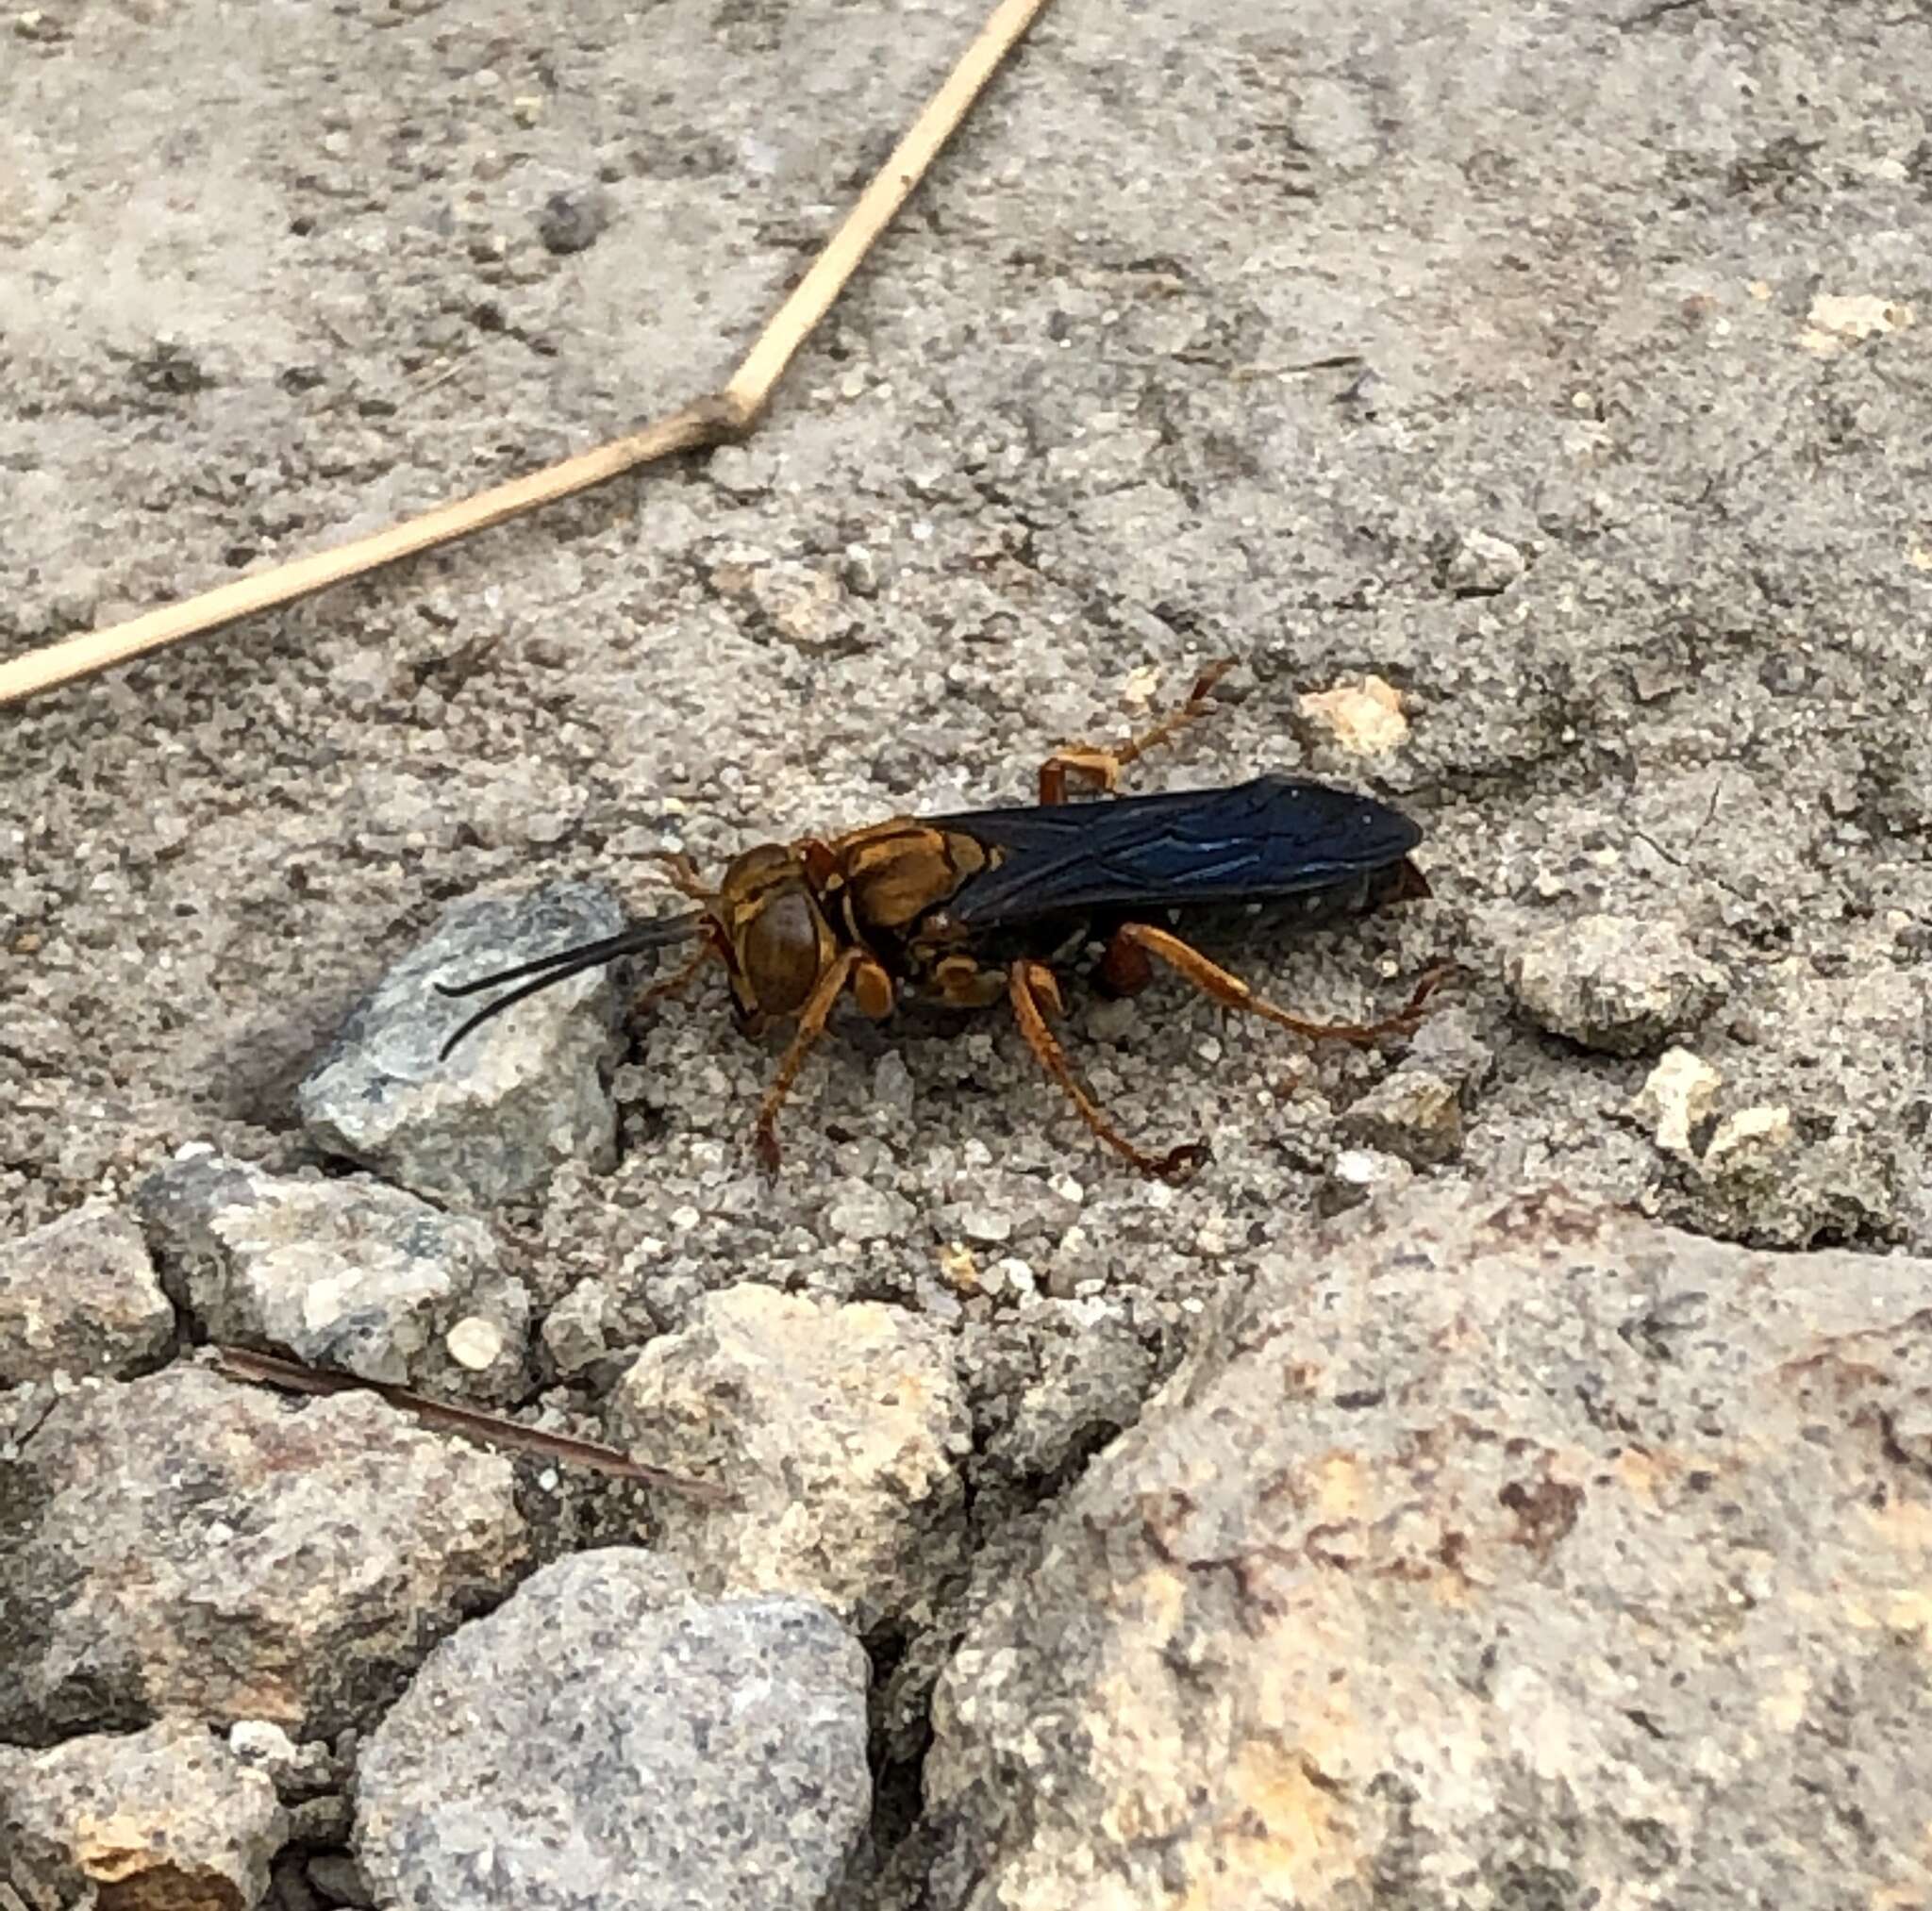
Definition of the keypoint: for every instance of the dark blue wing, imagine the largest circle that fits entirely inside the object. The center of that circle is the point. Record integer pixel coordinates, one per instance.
(1273, 837)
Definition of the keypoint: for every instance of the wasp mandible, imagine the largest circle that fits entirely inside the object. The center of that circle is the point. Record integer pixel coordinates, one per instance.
(967, 911)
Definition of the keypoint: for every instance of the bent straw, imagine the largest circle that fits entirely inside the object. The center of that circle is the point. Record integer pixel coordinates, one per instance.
(728, 413)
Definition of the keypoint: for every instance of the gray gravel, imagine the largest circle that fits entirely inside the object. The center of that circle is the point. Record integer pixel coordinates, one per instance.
(608, 1740)
(166, 1817)
(351, 1275)
(79, 1296)
(1532, 401)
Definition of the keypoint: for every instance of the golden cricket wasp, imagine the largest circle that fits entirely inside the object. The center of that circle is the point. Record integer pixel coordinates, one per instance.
(970, 910)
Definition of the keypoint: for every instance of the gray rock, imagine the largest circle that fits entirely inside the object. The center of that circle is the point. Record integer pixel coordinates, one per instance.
(1413, 1113)
(165, 1818)
(1619, 984)
(839, 1430)
(185, 1543)
(1483, 565)
(79, 1297)
(1502, 1541)
(576, 1331)
(859, 1211)
(608, 1740)
(521, 1094)
(573, 220)
(348, 1274)
(338, 1880)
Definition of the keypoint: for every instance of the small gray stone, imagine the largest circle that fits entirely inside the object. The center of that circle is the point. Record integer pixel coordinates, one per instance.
(1360, 1175)
(182, 1542)
(166, 1817)
(1484, 565)
(839, 1430)
(1414, 1113)
(521, 1094)
(573, 220)
(859, 1211)
(1618, 984)
(576, 1331)
(977, 1221)
(79, 1297)
(348, 1274)
(606, 1739)
(297, 1772)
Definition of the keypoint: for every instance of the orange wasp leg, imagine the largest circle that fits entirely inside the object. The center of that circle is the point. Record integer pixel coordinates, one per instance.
(682, 874)
(870, 983)
(1103, 766)
(1029, 984)
(681, 979)
(1126, 966)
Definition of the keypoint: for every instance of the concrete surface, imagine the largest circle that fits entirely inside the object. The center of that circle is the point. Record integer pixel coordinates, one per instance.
(266, 287)
(1568, 368)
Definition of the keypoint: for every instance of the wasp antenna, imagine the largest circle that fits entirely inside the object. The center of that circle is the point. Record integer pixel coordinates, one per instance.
(563, 963)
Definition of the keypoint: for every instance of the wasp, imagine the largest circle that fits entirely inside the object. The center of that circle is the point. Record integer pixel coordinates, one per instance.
(972, 909)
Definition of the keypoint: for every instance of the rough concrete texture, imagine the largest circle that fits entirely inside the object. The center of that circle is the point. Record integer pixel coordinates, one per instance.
(608, 1738)
(1497, 1554)
(182, 1543)
(168, 1817)
(1079, 429)
(1564, 372)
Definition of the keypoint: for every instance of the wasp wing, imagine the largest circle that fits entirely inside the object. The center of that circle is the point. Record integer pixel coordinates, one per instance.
(1274, 837)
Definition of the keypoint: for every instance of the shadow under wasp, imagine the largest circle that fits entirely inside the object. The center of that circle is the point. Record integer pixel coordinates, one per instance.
(970, 910)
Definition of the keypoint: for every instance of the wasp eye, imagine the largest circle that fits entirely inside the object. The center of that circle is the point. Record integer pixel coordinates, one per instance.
(779, 952)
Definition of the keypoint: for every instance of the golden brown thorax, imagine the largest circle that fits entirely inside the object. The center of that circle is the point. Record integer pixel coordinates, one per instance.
(784, 911)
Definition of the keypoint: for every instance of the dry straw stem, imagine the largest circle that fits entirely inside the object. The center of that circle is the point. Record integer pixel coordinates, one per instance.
(724, 415)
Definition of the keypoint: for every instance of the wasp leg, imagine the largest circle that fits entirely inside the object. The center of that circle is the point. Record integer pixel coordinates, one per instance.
(682, 874)
(679, 980)
(1126, 965)
(851, 968)
(1105, 766)
(1029, 984)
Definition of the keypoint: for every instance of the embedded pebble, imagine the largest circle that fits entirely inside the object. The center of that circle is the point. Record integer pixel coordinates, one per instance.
(1414, 1112)
(840, 1429)
(1357, 1175)
(1677, 1095)
(1748, 1140)
(576, 1331)
(1366, 720)
(1484, 565)
(343, 1273)
(574, 220)
(862, 1211)
(1618, 984)
(79, 1296)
